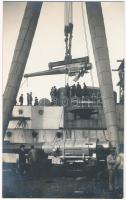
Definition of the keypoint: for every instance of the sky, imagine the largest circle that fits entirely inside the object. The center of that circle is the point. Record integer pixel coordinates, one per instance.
(48, 43)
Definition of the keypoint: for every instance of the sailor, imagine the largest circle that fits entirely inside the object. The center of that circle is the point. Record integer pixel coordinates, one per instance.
(22, 160)
(55, 91)
(36, 101)
(51, 93)
(67, 88)
(21, 100)
(78, 90)
(111, 165)
(32, 157)
(73, 90)
(30, 99)
(84, 90)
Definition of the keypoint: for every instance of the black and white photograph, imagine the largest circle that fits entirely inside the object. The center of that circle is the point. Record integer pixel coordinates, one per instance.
(63, 99)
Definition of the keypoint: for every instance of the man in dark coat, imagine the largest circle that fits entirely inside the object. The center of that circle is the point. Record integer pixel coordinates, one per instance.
(22, 160)
(67, 87)
(73, 90)
(30, 98)
(85, 90)
(36, 101)
(78, 90)
(21, 100)
(55, 91)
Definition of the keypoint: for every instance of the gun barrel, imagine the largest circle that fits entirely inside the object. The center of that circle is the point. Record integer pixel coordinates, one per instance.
(47, 72)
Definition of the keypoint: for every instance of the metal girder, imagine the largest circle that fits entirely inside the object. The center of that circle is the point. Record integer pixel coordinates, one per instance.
(21, 53)
(100, 50)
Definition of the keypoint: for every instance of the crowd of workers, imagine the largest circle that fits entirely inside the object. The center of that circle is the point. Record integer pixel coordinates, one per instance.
(114, 166)
(29, 100)
(70, 91)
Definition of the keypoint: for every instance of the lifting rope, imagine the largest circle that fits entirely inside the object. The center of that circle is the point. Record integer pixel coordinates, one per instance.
(86, 40)
(68, 30)
(25, 81)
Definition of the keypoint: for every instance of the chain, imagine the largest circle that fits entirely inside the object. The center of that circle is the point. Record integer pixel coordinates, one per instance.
(68, 31)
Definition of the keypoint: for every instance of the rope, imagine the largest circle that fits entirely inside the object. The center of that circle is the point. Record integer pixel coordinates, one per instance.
(23, 83)
(86, 41)
(84, 27)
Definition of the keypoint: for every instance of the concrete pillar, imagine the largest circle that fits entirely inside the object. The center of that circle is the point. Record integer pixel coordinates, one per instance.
(20, 57)
(100, 49)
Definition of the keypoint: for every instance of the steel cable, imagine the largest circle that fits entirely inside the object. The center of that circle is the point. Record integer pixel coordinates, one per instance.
(86, 40)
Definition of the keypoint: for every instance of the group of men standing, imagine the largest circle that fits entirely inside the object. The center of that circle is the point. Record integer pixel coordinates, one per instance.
(76, 90)
(115, 170)
(31, 159)
(54, 93)
(70, 91)
(29, 100)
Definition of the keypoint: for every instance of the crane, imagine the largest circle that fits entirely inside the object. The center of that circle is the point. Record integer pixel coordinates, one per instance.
(100, 49)
(21, 53)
